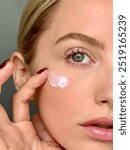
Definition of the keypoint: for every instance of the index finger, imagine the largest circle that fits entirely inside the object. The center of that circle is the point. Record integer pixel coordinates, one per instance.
(21, 98)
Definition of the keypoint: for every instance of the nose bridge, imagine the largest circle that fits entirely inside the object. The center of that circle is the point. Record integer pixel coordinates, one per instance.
(109, 75)
(105, 89)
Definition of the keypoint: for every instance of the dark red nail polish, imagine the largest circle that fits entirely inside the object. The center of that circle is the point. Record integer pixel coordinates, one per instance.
(4, 63)
(42, 70)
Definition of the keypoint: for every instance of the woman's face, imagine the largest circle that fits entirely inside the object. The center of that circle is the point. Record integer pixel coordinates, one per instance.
(84, 57)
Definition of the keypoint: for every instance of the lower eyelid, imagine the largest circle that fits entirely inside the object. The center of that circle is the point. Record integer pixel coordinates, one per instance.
(78, 65)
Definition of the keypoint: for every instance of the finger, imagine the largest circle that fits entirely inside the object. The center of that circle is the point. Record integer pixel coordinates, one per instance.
(42, 132)
(3, 117)
(6, 72)
(2, 144)
(22, 97)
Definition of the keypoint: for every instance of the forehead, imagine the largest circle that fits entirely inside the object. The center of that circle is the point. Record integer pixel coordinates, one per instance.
(85, 16)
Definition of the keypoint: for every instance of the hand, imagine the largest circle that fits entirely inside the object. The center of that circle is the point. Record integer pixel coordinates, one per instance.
(22, 134)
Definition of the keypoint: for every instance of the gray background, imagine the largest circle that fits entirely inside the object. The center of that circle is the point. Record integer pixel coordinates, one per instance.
(10, 12)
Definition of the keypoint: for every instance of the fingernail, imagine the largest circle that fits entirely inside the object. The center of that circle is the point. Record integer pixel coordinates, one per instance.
(4, 63)
(42, 70)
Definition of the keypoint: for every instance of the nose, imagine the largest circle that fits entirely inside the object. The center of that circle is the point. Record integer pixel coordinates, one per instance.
(104, 94)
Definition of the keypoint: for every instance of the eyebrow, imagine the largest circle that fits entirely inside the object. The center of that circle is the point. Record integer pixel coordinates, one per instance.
(82, 37)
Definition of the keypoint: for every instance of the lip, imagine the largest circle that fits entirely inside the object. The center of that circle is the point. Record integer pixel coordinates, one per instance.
(97, 132)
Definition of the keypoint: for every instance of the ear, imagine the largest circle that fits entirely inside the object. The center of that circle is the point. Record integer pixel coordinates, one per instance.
(21, 71)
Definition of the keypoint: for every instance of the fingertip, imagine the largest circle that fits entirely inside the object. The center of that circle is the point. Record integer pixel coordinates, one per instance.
(4, 63)
(8, 66)
(41, 78)
(6, 71)
(42, 70)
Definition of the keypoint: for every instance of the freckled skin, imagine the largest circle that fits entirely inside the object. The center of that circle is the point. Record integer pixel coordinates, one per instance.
(63, 110)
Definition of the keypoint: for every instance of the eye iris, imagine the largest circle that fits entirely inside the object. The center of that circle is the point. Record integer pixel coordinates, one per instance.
(79, 57)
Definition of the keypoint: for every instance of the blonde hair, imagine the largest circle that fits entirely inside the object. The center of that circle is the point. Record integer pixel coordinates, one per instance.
(36, 18)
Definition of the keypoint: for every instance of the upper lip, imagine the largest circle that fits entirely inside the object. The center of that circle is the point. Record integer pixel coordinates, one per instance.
(107, 121)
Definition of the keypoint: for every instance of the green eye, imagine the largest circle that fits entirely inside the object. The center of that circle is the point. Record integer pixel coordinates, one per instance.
(79, 57)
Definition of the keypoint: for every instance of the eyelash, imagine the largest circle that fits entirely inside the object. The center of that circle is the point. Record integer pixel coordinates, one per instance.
(79, 50)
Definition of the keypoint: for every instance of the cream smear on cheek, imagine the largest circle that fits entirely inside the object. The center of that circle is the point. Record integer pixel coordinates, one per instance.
(57, 81)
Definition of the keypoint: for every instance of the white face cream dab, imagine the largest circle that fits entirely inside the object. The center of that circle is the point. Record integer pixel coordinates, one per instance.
(57, 81)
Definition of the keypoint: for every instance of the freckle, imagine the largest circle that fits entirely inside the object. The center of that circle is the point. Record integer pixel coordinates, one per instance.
(57, 81)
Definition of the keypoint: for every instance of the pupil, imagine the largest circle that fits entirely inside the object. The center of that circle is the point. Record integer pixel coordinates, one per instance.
(78, 57)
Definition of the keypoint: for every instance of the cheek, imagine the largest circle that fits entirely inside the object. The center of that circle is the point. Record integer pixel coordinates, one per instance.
(68, 103)
(55, 103)
(65, 109)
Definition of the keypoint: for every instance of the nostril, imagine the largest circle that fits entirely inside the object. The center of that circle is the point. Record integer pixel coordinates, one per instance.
(104, 101)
